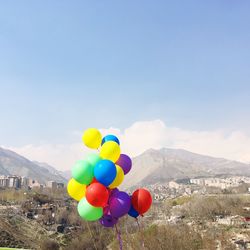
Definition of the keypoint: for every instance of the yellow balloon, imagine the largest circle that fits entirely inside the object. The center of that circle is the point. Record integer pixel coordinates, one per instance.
(76, 190)
(118, 179)
(92, 138)
(110, 150)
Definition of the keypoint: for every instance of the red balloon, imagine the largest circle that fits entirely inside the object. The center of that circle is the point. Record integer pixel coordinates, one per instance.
(94, 181)
(97, 195)
(141, 200)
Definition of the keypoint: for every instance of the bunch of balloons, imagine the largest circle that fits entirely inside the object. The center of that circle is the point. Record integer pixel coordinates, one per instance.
(95, 180)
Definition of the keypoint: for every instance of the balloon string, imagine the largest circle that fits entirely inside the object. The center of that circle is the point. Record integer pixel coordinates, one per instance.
(91, 235)
(142, 243)
(138, 224)
(119, 237)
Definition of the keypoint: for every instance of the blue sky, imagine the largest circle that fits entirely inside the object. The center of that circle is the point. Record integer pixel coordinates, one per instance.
(68, 65)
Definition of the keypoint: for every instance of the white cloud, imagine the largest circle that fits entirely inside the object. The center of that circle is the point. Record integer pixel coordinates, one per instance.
(144, 135)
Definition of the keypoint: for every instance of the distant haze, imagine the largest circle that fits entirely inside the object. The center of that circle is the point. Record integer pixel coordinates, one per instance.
(141, 136)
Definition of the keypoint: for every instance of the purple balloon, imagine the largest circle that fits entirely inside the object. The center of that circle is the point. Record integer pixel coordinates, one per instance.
(119, 204)
(125, 163)
(106, 211)
(113, 191)
(108, 221)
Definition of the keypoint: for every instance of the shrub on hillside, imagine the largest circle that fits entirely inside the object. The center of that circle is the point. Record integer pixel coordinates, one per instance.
(93, 236)
(49, 245)
(208, 207)
(167, 237)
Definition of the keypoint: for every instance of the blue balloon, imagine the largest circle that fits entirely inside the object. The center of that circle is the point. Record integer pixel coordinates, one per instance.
(110, 138)
(132, 212)
(105, 172)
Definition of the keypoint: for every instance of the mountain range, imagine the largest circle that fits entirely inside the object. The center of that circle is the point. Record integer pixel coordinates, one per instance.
(12, 163)
(153, 166)
(161, 166)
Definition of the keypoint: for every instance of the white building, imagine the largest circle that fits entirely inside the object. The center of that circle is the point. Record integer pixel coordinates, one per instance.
(52, 184)
(25, 181)
(4, 181)
(199, 182)
(173, 184)
(10, 181)
(222, 183)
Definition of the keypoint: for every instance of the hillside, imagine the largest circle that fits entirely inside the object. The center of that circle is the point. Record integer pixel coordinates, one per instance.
(13, 164)
(159, 166)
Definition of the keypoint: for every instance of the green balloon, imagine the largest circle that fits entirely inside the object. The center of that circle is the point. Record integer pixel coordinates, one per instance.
(88, 212)
(83, 172)
(93, 159)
